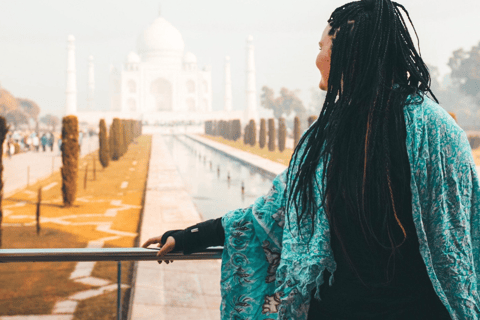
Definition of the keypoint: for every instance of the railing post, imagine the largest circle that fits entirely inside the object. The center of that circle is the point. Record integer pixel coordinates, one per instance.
(119, 290)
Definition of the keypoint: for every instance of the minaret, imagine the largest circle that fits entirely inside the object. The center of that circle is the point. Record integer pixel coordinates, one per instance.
(71, 92)
(228, 86)
(91, 85)
(251, 110)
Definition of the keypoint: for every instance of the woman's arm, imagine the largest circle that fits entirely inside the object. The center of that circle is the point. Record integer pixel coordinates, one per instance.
(196, 238)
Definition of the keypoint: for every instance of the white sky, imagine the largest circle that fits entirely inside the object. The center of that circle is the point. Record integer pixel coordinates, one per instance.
(33, 40)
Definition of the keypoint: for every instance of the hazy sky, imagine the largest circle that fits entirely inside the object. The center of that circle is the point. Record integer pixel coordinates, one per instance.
(33, 42)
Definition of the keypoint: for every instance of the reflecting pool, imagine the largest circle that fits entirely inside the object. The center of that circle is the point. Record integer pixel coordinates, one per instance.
(214, 180)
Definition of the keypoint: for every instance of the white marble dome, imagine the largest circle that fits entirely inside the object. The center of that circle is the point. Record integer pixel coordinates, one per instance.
(160, 37)
(133, 58)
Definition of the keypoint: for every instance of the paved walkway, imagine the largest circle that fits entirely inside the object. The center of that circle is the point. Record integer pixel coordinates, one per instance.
(184, 289)
(29, 167)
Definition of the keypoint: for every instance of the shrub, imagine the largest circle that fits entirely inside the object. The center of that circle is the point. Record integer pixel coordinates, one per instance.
(117, 139)
(70, 152)
(236, 129)
(311, 120)
(110, 141)
(296, 131)
(104, 148)
(246, 133)
(253, 133)
(282, 134)
(271, 134)
(263, 134)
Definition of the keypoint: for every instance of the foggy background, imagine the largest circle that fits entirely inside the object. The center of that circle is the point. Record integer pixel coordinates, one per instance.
(33, 38)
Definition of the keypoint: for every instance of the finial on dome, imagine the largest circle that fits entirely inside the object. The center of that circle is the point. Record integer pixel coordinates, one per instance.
(160, 10)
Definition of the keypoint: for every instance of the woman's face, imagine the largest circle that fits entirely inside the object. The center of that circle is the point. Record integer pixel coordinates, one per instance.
(323, 58)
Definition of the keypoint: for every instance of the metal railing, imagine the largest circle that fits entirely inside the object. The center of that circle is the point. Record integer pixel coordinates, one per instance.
(103, 254)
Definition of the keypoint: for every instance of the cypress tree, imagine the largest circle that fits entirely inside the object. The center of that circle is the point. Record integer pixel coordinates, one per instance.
(230, 129)
(253, 133)
(262, 139)
(282, 134)
(110, 141)
(271, 134)
(236, 129)
(296, 131)
(103, 143)
(117, 139)
(246, 133)
(70, 153)
(3, 134)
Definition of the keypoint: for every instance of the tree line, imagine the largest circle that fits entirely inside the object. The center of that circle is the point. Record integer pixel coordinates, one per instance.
(273, 136)
(20, 111)
(112, 146)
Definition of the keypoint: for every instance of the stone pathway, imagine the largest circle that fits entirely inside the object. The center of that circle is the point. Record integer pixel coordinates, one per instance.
(184, 289)
(33, 166)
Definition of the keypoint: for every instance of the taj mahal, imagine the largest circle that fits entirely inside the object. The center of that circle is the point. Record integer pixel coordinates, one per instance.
(160, 83)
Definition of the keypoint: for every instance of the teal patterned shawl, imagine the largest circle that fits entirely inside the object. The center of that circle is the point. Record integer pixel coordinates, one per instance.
(267, 273)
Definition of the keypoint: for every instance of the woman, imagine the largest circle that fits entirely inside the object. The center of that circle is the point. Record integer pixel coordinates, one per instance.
(378, 213)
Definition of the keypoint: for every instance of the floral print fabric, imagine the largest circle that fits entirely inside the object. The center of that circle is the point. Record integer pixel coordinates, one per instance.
(268, 271)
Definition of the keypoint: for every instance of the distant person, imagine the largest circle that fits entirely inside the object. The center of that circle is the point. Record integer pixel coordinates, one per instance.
(36, 143)
(378, 214)
(44, 141)
(28, 143)
(51, 141)
(11, 148)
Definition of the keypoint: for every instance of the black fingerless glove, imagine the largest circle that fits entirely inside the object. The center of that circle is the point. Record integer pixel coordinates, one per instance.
(178, 236)
(196, 238)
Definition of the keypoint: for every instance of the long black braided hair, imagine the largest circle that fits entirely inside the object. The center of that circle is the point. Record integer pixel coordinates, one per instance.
(360, 133)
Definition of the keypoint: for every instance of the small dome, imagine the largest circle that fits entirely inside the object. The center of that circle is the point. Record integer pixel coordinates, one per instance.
(189, 58)
(133, 58)
(160, 36)
(71, 38)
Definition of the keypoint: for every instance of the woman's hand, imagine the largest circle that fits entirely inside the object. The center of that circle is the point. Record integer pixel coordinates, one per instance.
(164, 248)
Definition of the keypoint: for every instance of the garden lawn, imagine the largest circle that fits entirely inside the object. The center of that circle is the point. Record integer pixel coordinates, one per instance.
(277, 156)
(284, 157)
(34, 288)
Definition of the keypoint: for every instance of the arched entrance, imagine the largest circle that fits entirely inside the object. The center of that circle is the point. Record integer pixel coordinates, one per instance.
(161, 89)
